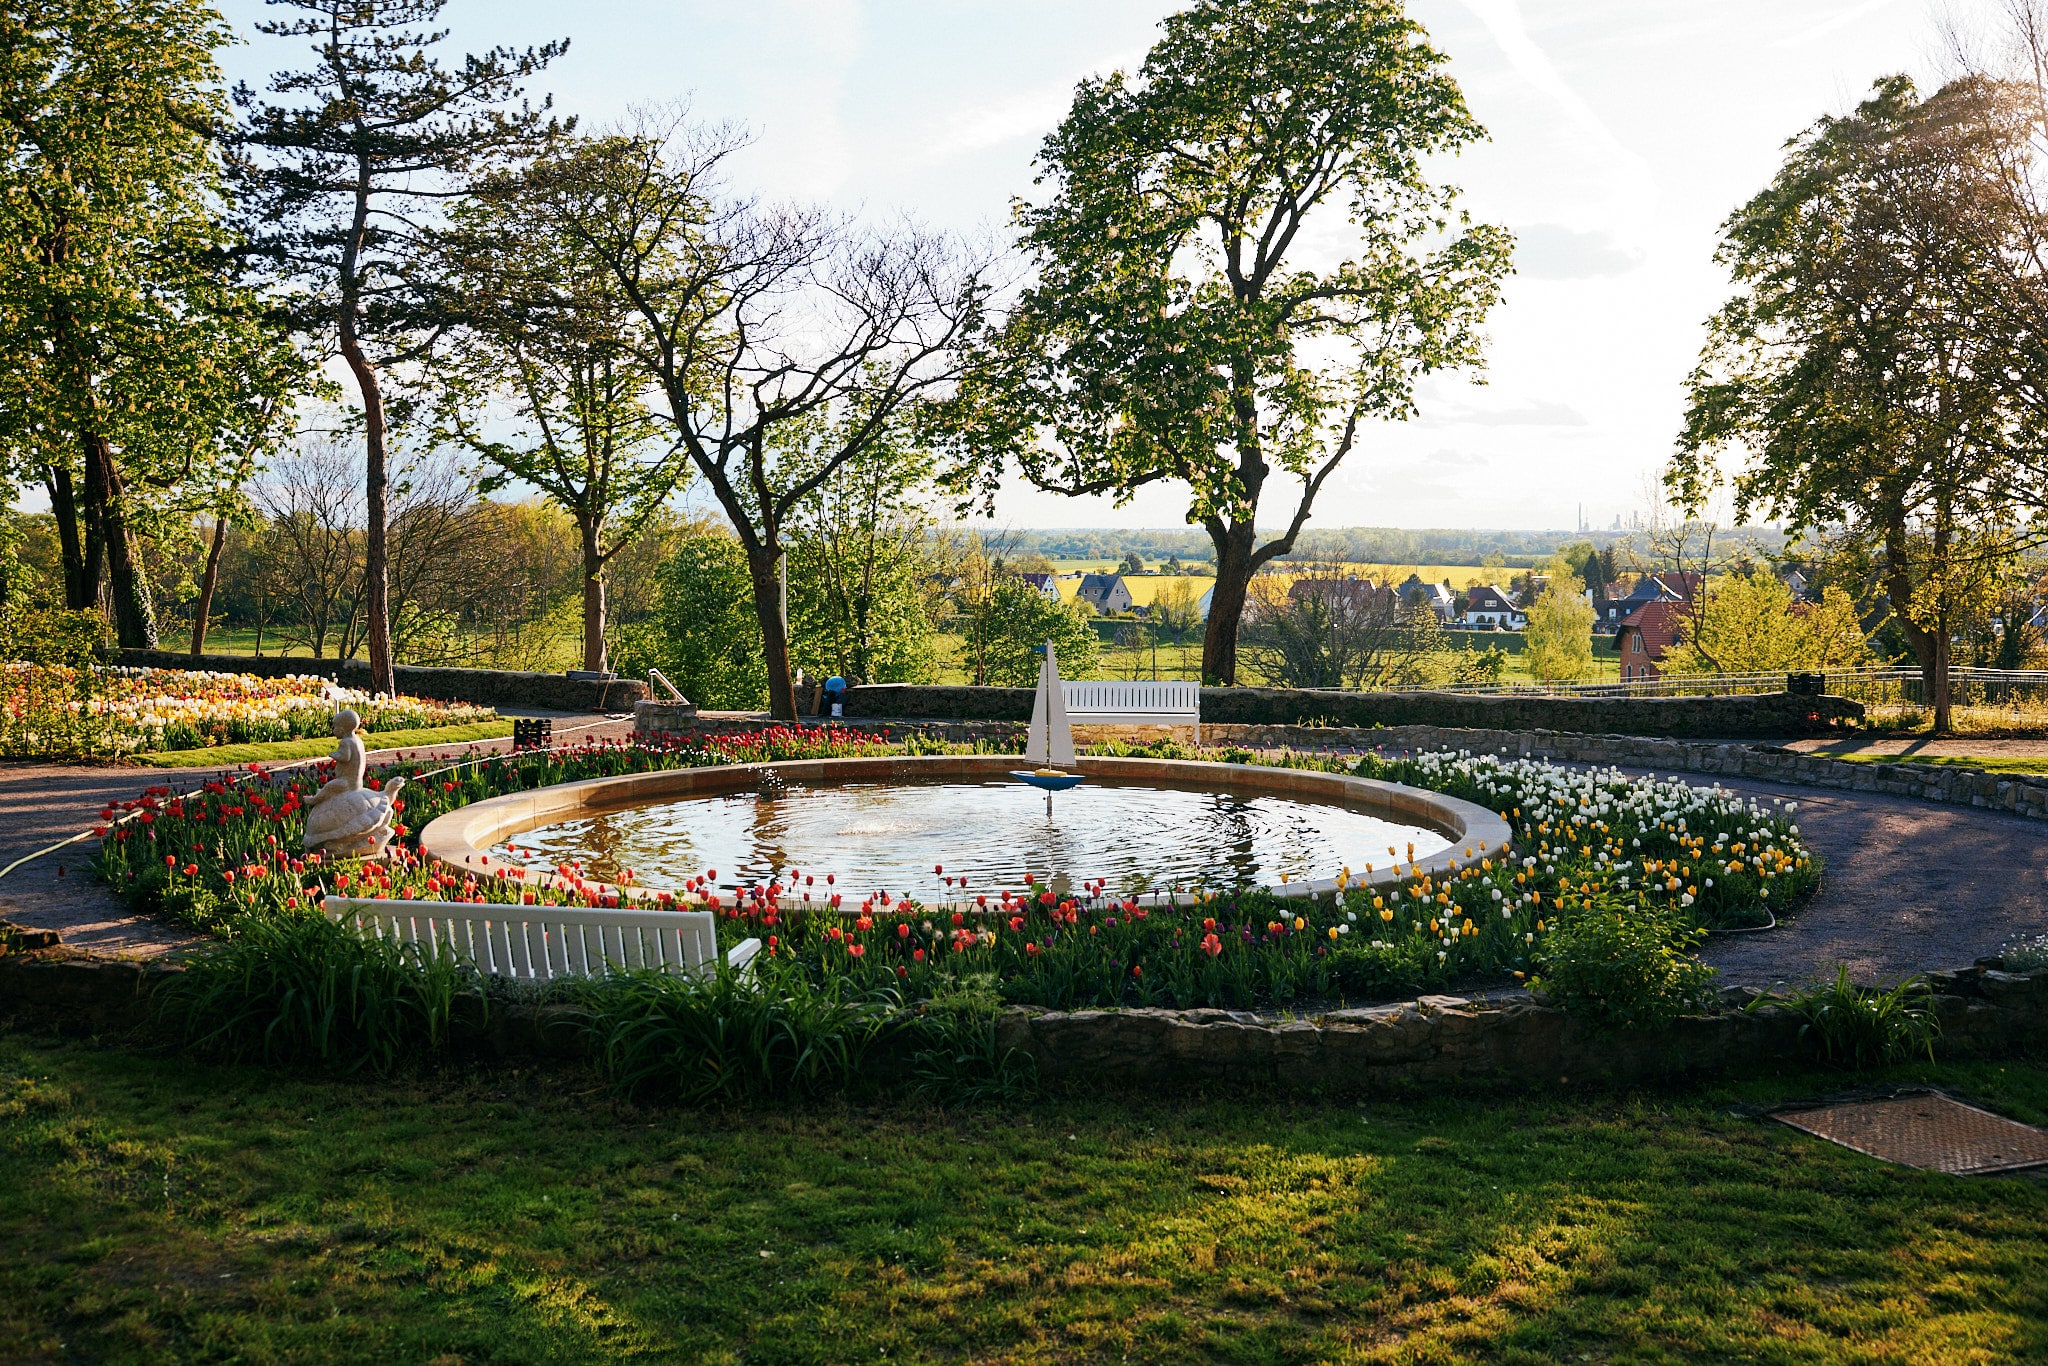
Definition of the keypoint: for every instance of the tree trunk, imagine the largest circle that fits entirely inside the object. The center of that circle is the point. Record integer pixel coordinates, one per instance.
(593, 598)
(204, 608)
(1944, 708)
(1226, 603)
(1898, 586)
(376, 561)
(81, 590)
(764, 564)
(134, 617)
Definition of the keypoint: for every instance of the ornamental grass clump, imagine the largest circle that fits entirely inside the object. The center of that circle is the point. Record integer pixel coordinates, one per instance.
(1624, 967)
(300, 989)
(1857, 1027)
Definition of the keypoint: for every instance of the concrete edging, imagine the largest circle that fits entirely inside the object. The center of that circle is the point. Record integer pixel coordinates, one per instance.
(460, 839)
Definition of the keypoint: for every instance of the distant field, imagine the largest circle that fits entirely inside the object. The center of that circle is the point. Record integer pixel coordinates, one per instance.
(1461, 576)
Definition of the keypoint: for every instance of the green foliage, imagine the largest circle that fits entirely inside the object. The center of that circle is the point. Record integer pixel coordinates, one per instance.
(706, 636)
(1748, 625)
(1857, 1028)
(733, 1036)
(1624, 967)
(2026, 955)
(51, 636)
(1171, 332)
(1558, 645)
(300, 989)
(1014, 624)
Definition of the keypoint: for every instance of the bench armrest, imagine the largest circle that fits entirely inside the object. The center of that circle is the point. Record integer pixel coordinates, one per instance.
(740, 957)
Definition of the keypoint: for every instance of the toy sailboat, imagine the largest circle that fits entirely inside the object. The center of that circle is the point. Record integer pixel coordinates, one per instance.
(1049, 745)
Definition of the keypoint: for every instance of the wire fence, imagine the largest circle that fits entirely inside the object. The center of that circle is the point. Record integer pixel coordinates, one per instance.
(1872, 687)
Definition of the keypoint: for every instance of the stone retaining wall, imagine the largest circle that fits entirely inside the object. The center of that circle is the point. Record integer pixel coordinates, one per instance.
(484, 687)
(1433, 1040)
(1764, 715)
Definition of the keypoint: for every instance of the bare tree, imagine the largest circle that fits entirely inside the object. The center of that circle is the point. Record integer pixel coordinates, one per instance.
(783, 342)
(1331, 628)
(312, 558)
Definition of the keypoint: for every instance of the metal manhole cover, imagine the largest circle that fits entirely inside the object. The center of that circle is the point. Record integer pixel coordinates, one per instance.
(1931, 1131)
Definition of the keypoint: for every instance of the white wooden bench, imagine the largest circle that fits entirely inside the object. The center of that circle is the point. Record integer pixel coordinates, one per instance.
(1114, 702)
(539, 943)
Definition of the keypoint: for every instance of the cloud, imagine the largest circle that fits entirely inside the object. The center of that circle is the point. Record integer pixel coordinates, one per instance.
(1828, 25)
(1028, 114)
(1469, 406)
(1551, 251)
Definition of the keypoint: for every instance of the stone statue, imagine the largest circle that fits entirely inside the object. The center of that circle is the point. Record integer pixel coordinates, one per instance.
(344, 819)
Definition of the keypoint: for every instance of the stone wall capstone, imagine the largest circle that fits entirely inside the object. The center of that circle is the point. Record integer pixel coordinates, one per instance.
(484, 687)
(1727, 718)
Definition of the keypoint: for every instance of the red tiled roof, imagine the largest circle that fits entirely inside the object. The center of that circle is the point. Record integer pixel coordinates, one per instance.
(1662, 625)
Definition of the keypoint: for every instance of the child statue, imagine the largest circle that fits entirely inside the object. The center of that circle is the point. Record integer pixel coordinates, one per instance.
(344, 819)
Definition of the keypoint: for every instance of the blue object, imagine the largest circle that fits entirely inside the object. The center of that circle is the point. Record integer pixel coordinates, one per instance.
(1051, 782)
(834, 686)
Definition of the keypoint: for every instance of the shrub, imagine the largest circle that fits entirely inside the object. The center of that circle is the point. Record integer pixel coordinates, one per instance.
(1856, 1028)
(1629, 969)
(301, 989)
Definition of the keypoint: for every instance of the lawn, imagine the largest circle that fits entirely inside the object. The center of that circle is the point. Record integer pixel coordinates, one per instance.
(1987, 763)
(279, 751)
(161, 1210)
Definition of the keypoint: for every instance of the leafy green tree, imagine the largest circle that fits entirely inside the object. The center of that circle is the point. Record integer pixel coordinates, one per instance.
(1751, 625)
(1014, 624)
(1557, 646)
(705, 637)
(1174, 330)
(342, 179)
(546, 331)
(1863, 368)
(132, 362)
(861, 574)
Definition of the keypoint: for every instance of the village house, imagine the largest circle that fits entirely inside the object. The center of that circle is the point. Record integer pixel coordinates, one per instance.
(1435, 596)
(1609, 613)
(1048, 585)
(1648, 633)
(1106, 593)
(1353, 594)
(1491, 608)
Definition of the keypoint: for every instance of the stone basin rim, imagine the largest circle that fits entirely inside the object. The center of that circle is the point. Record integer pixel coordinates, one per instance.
(461, 839)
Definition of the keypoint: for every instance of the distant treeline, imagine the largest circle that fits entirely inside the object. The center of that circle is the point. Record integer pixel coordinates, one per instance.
(1356, 545)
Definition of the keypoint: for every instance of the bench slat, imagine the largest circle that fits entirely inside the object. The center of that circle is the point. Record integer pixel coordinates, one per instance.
(542, 943)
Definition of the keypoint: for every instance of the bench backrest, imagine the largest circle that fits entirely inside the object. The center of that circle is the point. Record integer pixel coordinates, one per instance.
(1135, 696)
(538, 943)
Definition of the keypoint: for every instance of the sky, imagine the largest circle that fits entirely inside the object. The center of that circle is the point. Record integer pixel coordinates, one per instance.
(1622, 133)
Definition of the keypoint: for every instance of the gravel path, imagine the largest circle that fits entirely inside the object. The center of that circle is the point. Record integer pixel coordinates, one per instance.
(1909, 885)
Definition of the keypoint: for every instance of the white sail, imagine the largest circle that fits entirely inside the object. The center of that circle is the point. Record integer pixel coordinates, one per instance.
(1034, 739)
(1059, 736)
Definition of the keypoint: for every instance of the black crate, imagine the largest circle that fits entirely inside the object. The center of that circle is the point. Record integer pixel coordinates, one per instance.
(533, 732)
(1806, 685)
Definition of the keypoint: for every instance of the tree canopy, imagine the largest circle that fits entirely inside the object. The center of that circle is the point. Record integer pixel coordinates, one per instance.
(1179, 326)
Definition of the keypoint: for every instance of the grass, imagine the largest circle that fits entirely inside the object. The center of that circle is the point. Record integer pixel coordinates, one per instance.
(159, 1210)
(1988, 763)
(278, 751)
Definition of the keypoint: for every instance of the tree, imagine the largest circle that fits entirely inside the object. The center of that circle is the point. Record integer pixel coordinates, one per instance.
(1862, 367)
(341, 180)
(1557, 646)
(710, 643)
(1330, 629)
(1751, 625)
(1013, 627)
(782, 342)
(1176, 328)
(548, 327)
(131, 355)
(862, 580)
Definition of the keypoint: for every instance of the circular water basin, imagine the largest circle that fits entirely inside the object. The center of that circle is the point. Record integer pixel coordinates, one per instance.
(889, 836)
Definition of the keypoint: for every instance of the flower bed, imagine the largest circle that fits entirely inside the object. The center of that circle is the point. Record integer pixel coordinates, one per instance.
(1604, 868)
(54, 709)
